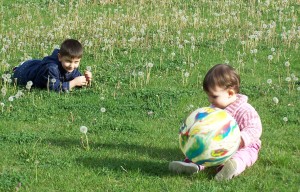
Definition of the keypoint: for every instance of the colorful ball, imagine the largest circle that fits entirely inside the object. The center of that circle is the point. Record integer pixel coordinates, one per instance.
(209, 136)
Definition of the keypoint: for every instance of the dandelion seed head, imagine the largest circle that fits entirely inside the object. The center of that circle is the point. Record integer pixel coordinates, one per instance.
(11, 98)
(275, 100)
(285, 119)
(186, 74)
(150, 65)
(53, 80)
(3, 90)
(103, 110)
(270, 57)
(83, 129)
(287, 63)
(140, 73)
(288, 79)
(29, 83)
(150, 113)
(89, 68)
(269, 81)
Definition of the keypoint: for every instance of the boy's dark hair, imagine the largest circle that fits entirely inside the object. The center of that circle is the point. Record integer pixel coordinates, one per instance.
(223, 76)
(71, 48)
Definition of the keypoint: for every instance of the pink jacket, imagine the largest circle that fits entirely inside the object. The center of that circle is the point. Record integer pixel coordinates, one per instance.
(248, 120)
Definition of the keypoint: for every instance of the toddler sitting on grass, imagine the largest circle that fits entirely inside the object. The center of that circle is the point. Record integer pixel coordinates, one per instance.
(222, 86)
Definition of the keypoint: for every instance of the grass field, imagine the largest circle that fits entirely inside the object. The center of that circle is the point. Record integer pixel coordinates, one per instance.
(148, 60)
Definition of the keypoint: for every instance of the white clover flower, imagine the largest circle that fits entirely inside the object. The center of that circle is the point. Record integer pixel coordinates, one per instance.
(173, 54)
(298, 88)
(2, 104)
(269, 81)
(103, 110)
(275, 100)
(83, 129)
(272, 49)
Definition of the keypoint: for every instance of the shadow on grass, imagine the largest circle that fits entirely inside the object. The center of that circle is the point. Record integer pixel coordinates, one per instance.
(132, 166)
(168, 154)
(153, 168)
(157, 166)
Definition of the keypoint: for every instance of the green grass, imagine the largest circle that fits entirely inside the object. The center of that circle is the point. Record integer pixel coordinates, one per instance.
(133, 141)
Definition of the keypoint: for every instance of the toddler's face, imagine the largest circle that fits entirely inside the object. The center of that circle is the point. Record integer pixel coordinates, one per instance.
(68, 63)
(220, 97)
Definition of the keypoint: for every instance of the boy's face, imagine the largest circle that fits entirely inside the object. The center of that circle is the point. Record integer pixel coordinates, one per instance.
(68, 63)
(220, 97)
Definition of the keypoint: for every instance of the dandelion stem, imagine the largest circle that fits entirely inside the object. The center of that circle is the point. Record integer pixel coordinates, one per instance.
(87, 142)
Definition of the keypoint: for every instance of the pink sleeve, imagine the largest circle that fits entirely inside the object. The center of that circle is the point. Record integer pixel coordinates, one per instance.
(250, 126)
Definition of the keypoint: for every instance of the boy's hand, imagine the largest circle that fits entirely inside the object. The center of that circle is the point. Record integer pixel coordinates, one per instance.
(78, 81)
(88, 77)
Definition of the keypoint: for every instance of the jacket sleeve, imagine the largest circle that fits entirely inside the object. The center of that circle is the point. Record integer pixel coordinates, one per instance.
(49, 77)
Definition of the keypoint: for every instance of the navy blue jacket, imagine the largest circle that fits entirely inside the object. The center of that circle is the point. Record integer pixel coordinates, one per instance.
(43, 72)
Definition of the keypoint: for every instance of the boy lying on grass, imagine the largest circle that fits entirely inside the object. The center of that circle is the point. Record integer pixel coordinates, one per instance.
(58, 72)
